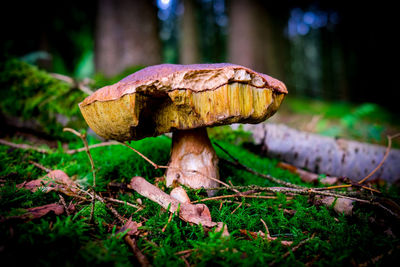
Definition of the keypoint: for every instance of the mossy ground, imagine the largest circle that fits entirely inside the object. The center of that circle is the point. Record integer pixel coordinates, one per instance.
(70, 240)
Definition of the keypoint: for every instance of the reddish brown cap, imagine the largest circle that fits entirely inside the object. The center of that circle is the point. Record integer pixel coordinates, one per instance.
(161, 98)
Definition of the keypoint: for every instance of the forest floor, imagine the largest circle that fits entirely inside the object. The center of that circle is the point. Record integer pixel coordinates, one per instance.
(276, 229)
(46, 193)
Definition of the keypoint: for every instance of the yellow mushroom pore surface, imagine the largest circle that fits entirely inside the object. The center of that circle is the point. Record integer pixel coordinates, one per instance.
(135, 116)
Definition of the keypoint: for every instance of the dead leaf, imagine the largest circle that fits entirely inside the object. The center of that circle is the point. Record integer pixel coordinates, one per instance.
(132, 226)
(197, 214)
(38, 212)
(56, 180)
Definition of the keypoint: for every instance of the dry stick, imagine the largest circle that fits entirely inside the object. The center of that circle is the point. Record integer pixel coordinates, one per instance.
(64, 204)
(169, 220)
(80, 85)
(24, 146)
(156, 166)
(384, 157)
(136, 251)
(347, 186)
(183, 252)
(40, 166)
(109, 143)
(236, 163)
(301, 243)
(240, 204)
(83, 138)
(288, 190)
(114, 211)
(232, 196)
(122, 202)
(266, 228)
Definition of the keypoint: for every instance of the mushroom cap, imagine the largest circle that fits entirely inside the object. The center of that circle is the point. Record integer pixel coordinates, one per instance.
(167, 97)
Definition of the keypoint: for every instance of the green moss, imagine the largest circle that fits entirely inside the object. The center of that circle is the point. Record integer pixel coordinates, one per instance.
(37, 99)
(63, 240)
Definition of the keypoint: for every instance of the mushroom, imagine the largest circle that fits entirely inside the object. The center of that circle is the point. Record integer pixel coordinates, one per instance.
(184, 100)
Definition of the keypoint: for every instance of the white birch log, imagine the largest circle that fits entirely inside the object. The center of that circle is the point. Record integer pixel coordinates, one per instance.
(325, 155)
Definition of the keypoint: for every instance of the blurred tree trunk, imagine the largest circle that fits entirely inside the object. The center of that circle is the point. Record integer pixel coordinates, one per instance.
(256, 37)
(189, 43)
(126, 35)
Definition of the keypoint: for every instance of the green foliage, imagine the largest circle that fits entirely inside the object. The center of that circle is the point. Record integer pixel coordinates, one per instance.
(366, 122)
(67, 240)
(37, 99)
(226, 133)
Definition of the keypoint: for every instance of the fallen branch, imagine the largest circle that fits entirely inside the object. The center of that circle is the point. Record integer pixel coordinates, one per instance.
(339, 157)
(24, 146)
(109, 143)
(81, 85)
(40, 166)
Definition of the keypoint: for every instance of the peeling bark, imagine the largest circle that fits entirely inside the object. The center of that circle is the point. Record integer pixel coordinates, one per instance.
(321, 154)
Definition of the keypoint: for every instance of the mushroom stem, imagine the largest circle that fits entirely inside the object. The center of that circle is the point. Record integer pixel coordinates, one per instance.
(193, 160)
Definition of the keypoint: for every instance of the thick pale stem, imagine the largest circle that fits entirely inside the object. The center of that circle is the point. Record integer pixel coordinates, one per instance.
(193, 160)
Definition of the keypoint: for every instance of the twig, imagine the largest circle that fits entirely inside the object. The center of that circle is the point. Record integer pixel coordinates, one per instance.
(296, 191)
(232, 196)
(91, 218)
(239, 165)
(40, 166)
(109, 143)
(64, 204)
(136, 251)
(113, 211)
(156, 166)
(220, 205)
(169, 220)
(183, 252)
(80, 85)
(266, 228)
(24, 146)
(389, 146)
(240, 204)
(122, 202)
(346, 186)
(301, 243)
(83, 138)
(187, 264)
